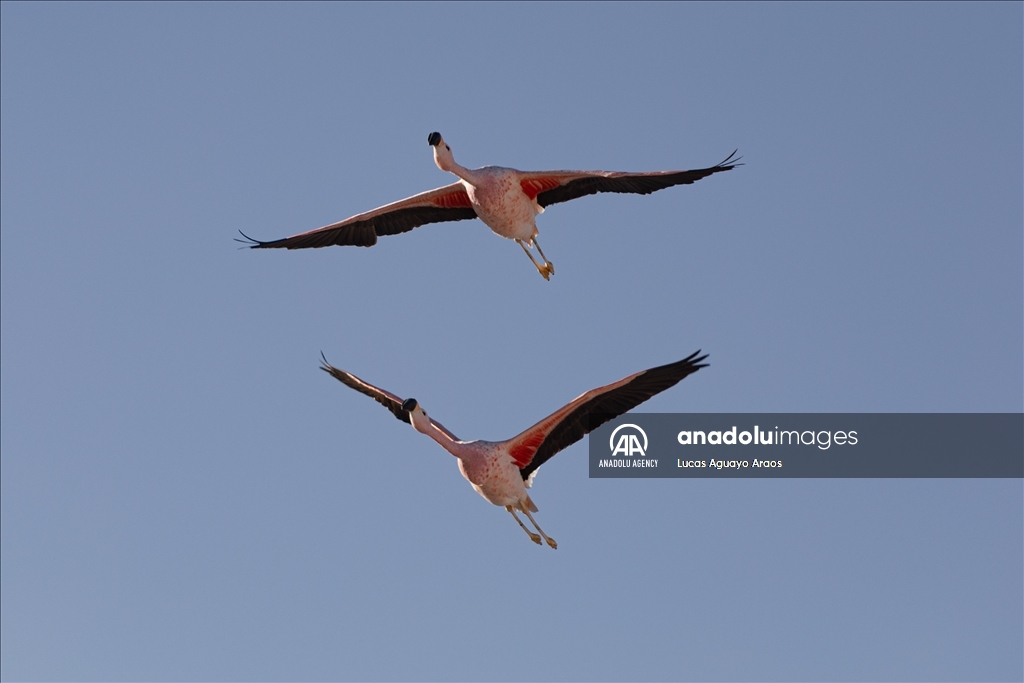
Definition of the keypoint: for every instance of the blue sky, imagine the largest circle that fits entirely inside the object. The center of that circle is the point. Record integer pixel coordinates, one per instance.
(185, 496)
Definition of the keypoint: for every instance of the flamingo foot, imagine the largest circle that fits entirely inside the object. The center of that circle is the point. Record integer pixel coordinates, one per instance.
(533, 537)
(551, 542)
(547, 270)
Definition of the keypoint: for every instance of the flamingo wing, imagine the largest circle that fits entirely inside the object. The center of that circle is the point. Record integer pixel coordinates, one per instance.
(566, 426)
(385, 398)
(448, 203)
(552, 187)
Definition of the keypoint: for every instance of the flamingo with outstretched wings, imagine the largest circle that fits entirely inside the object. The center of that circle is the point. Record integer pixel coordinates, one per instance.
(501, 471)
(505, 199)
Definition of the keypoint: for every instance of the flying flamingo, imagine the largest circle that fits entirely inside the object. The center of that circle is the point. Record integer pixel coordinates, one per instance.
(501, 471)
(505, 199)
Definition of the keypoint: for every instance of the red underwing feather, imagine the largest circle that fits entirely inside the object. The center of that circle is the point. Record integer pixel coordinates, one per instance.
(534, 186)
(453, 200)
(522, 452)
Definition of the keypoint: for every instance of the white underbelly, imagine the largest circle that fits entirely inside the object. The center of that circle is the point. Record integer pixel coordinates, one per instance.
(503, 206)
(499, 483)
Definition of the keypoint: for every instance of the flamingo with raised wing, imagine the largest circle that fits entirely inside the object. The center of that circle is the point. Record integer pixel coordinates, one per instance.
(501, 471)
(505, 199)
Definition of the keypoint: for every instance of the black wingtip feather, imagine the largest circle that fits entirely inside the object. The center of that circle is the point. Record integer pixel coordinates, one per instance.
(731, 161)
(248, 241)
(693, 359)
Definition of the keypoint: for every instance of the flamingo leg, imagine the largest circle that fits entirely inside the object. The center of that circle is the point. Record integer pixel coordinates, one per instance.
(533, 537)
(548, 265)
(546, 270)
(551, 541)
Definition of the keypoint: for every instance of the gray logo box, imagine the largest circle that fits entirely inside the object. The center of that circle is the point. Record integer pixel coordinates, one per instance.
(824, 445)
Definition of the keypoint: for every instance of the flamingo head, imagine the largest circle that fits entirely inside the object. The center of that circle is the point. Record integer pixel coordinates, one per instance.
(417, 416)
(442, 152)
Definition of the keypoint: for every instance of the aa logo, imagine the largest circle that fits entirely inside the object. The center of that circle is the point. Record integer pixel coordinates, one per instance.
(628, 444)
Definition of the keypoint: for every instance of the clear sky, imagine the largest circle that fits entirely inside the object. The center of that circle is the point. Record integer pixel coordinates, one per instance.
(185, 496)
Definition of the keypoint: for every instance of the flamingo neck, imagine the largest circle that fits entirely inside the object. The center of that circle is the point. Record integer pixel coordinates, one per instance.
(446, 162)
(446, 442)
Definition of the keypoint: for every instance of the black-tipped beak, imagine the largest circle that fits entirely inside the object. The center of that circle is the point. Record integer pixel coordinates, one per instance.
(434, 139)
(410, 404)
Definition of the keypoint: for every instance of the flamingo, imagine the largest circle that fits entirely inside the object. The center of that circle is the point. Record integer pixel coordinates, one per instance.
(505, 199)
(501, 471)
